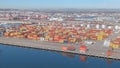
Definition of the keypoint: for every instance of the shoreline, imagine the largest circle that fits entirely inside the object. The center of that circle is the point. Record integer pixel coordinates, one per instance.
(19, 42)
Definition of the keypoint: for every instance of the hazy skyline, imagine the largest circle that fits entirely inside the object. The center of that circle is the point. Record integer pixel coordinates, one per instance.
(37, 4)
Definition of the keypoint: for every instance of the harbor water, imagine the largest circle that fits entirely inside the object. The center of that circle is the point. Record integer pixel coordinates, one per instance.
(18, 57)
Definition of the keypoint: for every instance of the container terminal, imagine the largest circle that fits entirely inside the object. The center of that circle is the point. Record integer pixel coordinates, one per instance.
(93, 39)
(88, 33)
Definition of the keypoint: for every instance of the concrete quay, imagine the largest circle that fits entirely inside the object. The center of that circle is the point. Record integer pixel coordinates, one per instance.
(96, 50)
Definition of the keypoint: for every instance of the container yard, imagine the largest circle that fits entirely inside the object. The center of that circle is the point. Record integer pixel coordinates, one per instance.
(65, 37)
(57, 32)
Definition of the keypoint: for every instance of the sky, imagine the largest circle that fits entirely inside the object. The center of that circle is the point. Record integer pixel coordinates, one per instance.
(43, 4)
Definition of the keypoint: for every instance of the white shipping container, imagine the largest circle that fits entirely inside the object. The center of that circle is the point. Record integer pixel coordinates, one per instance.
(42, 39)
(106, 43)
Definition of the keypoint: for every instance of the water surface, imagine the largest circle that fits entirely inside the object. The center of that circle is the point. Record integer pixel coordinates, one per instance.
(17, 57)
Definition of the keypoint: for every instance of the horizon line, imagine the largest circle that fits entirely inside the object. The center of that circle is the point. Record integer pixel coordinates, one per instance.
(59, 8)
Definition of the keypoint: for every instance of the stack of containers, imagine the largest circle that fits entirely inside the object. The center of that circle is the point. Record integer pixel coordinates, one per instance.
(115, 43)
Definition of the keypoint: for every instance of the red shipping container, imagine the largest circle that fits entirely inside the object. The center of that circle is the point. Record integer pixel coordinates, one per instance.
(83, 48)
(64, 48)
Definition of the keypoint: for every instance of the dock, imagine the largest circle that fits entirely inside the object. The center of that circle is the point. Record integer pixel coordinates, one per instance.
(96, 50)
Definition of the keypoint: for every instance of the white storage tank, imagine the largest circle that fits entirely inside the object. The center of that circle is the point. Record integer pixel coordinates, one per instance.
(97, 26)
(103, 26)
(116, 27)
(109, 27)
(88, 26)
(81, 24)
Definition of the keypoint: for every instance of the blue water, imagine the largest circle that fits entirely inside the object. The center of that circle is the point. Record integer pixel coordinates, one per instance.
(17, 57)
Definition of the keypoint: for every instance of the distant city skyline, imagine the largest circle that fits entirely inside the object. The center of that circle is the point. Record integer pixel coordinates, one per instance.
(56, 4)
